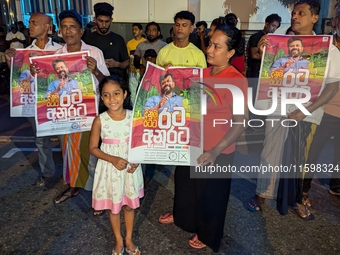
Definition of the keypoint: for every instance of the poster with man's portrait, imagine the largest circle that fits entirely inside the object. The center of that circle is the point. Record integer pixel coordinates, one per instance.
(23, 87)
(66, 99)
(166, 126)
(292, 62)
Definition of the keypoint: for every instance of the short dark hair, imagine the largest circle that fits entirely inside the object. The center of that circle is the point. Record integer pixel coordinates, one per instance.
(154, 24)
(56, 61)
(103, 9)
(314, 6)
(2, 30)
(202, 23)
(185, 15)
(293, 39)
(163, 76)
(234, 37)
(228, 17)
(273, 17)
(139, 25)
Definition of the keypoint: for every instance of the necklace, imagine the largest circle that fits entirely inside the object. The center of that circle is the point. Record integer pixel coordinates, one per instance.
(217, 70)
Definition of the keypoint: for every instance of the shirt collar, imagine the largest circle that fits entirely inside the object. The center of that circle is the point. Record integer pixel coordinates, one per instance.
(50, 42)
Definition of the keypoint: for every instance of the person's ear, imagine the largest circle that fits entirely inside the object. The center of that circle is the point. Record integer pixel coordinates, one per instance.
(82, 31)
(231, 53)
(125, 94)
(191, 28)
(315, 18)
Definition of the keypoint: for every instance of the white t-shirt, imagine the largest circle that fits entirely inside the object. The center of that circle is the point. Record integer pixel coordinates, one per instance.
(15, 45)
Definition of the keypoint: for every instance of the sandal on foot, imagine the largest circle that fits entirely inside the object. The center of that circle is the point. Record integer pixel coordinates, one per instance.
(135, 252)
(64, 196)
(116, 253)
(253, 206)
(304, 214)
(306, 200)
(166, 218)
(195, 243)
(98, 212)
(334, 193)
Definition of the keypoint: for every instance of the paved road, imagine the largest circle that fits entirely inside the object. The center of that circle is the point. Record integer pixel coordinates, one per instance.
(31, 224)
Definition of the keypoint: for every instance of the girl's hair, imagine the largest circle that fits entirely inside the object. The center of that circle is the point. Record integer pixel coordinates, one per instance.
(234, 39)
(122, 84)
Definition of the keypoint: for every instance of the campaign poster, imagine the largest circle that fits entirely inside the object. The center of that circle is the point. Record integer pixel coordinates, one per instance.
(66, 99)
(292, 62)
(22, 95)
(167, 126)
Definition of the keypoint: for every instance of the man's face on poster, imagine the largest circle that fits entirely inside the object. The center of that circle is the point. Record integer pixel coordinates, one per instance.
(295, 48)
(61, 69)
(167, 85)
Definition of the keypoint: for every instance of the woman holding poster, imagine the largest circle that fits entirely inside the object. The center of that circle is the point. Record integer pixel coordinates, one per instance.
(200, 204)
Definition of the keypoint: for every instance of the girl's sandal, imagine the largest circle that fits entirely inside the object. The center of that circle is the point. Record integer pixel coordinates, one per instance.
(115, 253)
(135, 252)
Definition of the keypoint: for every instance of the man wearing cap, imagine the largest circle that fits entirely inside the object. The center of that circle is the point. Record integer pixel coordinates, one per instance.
(39, 25)
(15, 39)
(78, 164)
(112, 44)
(153, 35)
(150, 55)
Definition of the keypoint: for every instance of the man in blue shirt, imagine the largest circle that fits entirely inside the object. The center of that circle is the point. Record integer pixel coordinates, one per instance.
(64, 83)
(294, 61)
(168, 99)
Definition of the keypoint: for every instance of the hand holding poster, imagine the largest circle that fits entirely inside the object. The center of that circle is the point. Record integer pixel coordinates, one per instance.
(292, 63)
(23, 83)
(166, 125)
(66, 100)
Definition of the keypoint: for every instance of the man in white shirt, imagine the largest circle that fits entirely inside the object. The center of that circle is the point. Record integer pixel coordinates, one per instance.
(39, 24)
(15, 39)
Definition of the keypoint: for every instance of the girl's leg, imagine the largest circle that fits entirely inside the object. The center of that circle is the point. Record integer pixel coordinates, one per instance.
(129, 216)
(115, 223)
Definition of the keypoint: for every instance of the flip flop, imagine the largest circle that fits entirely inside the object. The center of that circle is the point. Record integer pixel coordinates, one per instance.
(135, 252)
(334, 193)
(120, 253)
(98, 212)
(64, 196)
(195, 243)
(166, 218)
(253, 206)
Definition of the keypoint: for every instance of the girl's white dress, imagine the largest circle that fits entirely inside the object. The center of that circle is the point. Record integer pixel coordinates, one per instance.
(113, 188)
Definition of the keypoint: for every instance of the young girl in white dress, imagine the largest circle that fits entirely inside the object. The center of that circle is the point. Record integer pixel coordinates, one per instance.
(117, 183)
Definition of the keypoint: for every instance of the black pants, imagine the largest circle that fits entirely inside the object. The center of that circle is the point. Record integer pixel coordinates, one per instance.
(200, 205)
(329, 126)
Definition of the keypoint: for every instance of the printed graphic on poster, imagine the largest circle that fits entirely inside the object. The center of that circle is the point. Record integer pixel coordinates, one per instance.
(292, 62)
(66, 101)
(167, 126)
(23, 84)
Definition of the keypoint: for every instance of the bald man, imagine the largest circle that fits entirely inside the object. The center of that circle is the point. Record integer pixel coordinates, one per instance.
(39, 25)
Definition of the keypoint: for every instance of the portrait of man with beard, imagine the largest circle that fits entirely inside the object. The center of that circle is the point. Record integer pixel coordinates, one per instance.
(64, 83)
(168, 99)
(294, 60)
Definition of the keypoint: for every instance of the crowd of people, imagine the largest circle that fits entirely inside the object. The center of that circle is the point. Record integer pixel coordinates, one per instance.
(97, 160)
